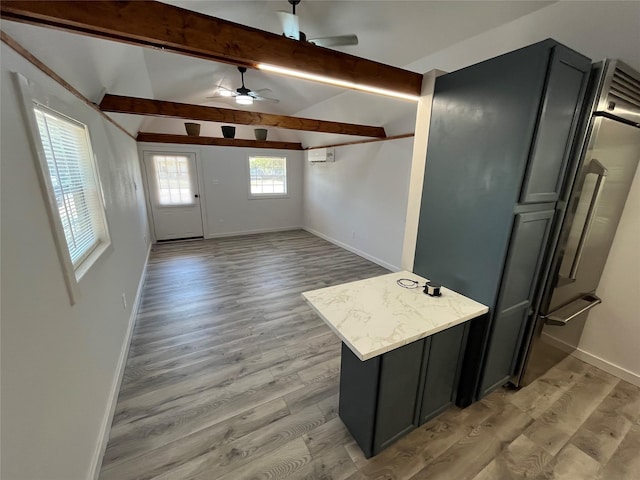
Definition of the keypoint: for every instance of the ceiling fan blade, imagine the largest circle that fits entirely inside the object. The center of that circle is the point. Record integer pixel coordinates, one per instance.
(225, 92)
(290, 25)
(335, 41)
(259, 98)
(260, 91)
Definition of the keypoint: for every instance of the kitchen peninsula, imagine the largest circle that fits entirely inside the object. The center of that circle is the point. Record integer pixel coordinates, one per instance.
(401, 353)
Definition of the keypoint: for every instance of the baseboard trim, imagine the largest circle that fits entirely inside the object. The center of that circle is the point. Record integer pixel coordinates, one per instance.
(252, 232)
(602, 364)
(117, 381)
(591, 359)
(358, 252)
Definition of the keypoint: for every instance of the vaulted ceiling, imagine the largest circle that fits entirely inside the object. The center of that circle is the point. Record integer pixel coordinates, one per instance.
(392, 32)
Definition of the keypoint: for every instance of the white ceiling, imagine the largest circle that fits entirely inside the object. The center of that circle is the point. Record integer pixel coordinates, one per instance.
(393, 32)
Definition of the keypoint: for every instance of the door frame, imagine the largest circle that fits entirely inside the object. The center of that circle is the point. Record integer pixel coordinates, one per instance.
(148, 149)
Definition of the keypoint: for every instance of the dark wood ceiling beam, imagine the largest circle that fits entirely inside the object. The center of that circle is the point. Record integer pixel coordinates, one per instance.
(174, 29)
(224, 142)
(161, 108)
(360, 142)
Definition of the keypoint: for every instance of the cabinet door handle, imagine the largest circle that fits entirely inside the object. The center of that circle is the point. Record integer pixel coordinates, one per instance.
(597, 168)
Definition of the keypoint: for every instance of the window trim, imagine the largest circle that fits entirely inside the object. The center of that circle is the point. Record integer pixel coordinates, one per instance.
(31, 97)
(260, 196)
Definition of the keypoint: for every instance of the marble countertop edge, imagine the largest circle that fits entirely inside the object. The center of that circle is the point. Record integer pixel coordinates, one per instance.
(367, 347)
(407, 341)
(400, 343)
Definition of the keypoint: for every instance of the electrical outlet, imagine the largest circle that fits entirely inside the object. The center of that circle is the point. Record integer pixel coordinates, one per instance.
(124, 300)
(353, 234)
(145, 239)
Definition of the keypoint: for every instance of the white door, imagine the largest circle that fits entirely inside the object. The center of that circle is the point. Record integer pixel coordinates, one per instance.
(173, 192)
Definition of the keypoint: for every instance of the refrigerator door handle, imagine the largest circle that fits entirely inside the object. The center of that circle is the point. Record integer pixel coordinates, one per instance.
(565, 314)
(594, 167)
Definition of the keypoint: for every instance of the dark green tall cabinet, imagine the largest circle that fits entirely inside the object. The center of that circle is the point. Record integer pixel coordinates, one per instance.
(499, 154)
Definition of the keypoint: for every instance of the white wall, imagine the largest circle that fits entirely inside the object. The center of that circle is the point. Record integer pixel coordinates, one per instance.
(223, 177)
(359, 201)
(60, 363)
(418, 165)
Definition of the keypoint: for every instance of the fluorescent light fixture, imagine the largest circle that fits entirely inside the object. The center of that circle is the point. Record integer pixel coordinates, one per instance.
(244, 99)
(334, 81)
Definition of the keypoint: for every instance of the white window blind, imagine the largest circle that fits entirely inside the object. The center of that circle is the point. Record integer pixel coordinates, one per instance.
(268, 176)
(173, 180)
(73, 180)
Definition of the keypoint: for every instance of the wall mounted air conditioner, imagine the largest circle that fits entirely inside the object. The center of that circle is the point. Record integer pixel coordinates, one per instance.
(321, 155)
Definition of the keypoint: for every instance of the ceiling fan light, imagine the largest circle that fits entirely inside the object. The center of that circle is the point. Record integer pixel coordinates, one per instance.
(244, 100)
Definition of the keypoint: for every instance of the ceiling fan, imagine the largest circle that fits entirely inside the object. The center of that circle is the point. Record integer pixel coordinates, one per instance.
(244, 95)
(291, 29)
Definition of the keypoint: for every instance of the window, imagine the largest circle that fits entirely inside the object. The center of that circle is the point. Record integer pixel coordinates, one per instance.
(267, 176)
(173, 180)
(72, 182)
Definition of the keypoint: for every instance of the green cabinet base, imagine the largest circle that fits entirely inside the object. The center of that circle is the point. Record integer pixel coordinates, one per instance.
(386, 397)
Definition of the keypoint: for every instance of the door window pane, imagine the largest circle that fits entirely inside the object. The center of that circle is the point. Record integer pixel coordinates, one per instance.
(173, 180)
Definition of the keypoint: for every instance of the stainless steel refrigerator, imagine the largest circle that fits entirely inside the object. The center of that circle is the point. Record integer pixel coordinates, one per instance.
(607, 161)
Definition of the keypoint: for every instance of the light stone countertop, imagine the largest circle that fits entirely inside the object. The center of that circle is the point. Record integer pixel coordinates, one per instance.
(376, 315)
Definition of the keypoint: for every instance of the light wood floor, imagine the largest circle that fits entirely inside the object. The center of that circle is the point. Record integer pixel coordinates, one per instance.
(232, 376)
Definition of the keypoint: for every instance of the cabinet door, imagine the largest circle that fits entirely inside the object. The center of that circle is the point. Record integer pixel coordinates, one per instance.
(358, 396)
(482, 121)
(442, 354)
(564, 93)
(526, 251)
(397, 395)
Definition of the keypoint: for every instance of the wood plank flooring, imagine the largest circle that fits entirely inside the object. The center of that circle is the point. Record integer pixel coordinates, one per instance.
(232, 376)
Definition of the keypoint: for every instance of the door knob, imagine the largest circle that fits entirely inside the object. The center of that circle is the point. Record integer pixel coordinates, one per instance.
(196, 195)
